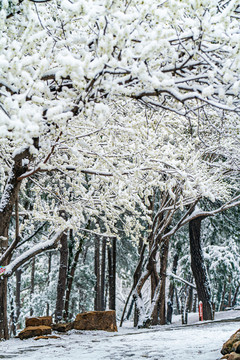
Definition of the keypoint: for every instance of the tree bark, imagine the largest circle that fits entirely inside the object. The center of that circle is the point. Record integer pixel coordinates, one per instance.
(8, 200)
(62, 277)
(97, 300)
(32, 286)
(163, 271)
(189, 304)
(171, 290)
(103, 267)
(18, 293)
(235, 295)
(136, 277)
(48, 279)
(221, 308)
(70, 280)
(112, 274)
(158, 315)
(198, 268)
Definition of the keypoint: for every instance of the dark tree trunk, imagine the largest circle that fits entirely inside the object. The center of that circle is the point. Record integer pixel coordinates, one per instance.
(9, 197)
(235, 295)
(177, 302)
(223, 298)
(194, 308)
(230, 293)
(13, 313)
(103, 267)
(70, 280)
(48, 280)
(18, 293)
(32, 286)
(198, 268)
(189, 300)
(136, 277)
(163, 271)
(112, 274)
(62, 277)
(171, 290)
(154, 284)
(97, 301)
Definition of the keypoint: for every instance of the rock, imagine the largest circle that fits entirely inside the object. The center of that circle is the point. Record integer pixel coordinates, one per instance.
(62, 327)
(38, 321)
(233, 356)
(47, 337)
(96, 320)
(32, 331)
(228, 345)
(236, 347)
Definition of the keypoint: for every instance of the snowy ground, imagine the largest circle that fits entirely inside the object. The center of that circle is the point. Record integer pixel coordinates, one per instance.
(171, 342)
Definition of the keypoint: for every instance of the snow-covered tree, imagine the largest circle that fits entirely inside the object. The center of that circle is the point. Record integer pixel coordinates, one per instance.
(135, 95)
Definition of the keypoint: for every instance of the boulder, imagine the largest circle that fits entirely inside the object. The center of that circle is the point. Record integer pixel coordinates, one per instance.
(62, 327)
(96, 320)
(38, 321)
(32, 331)
(228, 345)
(236, 347)
(47, 337)
(233, 356)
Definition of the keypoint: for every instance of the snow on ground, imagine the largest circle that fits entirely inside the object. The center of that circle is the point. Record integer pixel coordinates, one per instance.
(194, 341)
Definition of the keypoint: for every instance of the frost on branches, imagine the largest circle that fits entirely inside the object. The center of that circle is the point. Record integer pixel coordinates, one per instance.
(102, 102)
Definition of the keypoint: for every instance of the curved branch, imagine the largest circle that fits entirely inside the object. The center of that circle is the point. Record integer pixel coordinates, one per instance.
(35, 250)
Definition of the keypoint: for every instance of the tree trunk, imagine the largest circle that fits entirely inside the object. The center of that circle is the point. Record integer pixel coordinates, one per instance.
(62, 278)
(171, 291)
(189, 304)
(8, 200)
(103, 266)
(163, 271)
(230, 293)
(97, 304)
(32, 286)
(136, 277)
(235, 295)
(48, 280)
(112, 274)
(198, 268)
(221, 308)
(70, 280)
(18, 293)
(177, 302)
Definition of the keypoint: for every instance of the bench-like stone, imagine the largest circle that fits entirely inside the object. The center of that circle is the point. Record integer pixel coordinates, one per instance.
(38, 321)
(62, 327)
(32, 331)
(96, 320)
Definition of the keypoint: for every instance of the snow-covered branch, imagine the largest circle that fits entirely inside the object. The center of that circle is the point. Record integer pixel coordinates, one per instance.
(35, 250)
(170, 274)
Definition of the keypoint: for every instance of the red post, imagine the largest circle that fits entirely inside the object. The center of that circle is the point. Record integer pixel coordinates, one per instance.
(200, 308)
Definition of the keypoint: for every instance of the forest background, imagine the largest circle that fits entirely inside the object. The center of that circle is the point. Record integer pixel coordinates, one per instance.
(119, 136)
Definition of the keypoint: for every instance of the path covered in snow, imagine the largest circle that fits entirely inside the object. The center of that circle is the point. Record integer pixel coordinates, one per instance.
(197, 341)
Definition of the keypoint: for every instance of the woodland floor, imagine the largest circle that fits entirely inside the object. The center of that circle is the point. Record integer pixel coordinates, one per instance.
(200, 341)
